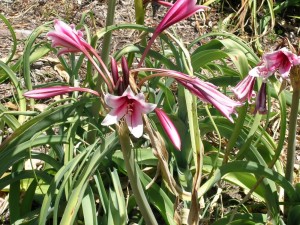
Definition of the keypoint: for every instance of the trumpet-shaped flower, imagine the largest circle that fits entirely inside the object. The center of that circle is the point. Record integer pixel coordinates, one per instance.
(244, 89)
(67, 37)
(205, 91)
(129, 106)
(208, 92)
(50, 92)
(169, 128)
(71, 41)
(281, 60)
(180, 10)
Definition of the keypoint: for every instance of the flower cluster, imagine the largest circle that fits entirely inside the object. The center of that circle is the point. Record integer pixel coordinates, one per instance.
(125, 104)
(280, 61)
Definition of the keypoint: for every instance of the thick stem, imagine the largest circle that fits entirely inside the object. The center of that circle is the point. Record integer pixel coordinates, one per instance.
(107, 37)
(289, 173)
(132, 173)
(292, 136)
(139, 12)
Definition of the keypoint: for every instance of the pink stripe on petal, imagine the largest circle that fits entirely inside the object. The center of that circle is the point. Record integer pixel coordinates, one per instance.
(114, 101)
(244, 89)
(114, 116)
(135, 122)
(284, 69)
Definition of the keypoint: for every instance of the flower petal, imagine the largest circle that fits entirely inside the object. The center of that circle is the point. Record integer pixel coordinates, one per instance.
(145, 106)
(134, 122)
(129, 93)
(244, 89)
(68, 38)
(114, 101)
(114, 115)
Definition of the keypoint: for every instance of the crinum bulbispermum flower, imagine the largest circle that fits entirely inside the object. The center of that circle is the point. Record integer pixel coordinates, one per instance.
(205, 91)
(70, 40)
(281, 60)
(244, 89)
(180, 10)
(129, 106)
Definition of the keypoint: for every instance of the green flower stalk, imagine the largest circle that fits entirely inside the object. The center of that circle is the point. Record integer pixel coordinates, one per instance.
(132, 173)
(295, 82)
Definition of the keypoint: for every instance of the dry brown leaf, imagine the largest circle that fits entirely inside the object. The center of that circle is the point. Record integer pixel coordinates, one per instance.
(61, 71)
(11, 105)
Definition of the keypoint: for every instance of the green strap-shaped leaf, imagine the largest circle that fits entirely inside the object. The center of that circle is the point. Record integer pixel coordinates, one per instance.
(89, 207)
(247, 167)
(14, 39)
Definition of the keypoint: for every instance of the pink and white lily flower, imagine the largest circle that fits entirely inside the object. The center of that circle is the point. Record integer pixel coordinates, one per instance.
(67, 37)
(208, 92)
(50, 92)
(129, 106)
(244, 89)
(281, 60)
(180, 10)
(71, 40)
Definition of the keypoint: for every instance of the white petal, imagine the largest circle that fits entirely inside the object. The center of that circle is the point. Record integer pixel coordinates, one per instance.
(147, 107)
(128, 92)
(140, 102)
(114, 115)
